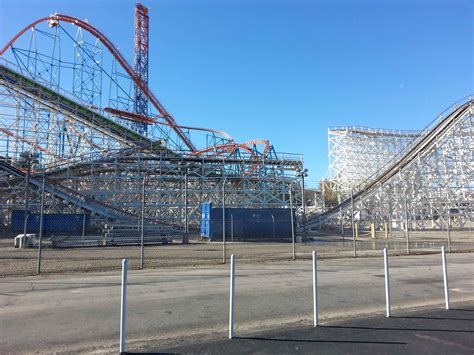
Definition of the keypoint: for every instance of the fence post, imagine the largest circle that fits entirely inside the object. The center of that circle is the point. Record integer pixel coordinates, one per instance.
(385, 226)
(186, 222)
(387, 282)
(40, 234)
(142, 228)
(390, 226)
(342, 223)
(407, 233)
(223, 223)
(292, 223)
(273, 225)
(83, 226)
(449, 232)
(232, 296)
(123, 305)
(315, 290)
(445, 277)
(354, 226)
(27, 213)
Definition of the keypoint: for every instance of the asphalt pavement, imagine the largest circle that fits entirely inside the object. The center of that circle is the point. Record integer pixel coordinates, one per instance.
(176, 306)
(429, 332)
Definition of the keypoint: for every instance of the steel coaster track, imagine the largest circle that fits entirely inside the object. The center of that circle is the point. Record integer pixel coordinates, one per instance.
(59, 102)
(80, 200)
(70, 104)
(424, 142)
(53, 20)
(69, 195)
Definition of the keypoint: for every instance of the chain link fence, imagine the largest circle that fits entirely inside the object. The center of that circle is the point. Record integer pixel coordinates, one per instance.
(83, 243)
(41, 236)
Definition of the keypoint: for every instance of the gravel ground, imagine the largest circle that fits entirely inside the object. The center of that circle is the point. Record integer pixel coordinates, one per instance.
(327, 244)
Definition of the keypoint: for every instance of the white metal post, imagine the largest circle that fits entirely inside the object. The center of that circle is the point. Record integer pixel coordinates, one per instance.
(232, 293)
(123, 304)
(445, 277)
(315, 289)
(387, 282)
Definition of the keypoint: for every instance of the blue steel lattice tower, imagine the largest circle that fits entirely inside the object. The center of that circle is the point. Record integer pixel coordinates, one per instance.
(141, 63)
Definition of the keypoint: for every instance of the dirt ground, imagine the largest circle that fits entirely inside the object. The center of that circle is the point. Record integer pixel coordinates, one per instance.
(328, 244)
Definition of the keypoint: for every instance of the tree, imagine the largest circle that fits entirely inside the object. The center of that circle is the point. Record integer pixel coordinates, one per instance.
(329, 196)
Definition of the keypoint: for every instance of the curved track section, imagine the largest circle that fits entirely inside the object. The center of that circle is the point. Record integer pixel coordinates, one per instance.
(53, 20)
(90, 57)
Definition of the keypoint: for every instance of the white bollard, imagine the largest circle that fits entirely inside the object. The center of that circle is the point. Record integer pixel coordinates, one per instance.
(315, 289)
(232, 293)
(123, 305)
(387, 282)
(445, 276)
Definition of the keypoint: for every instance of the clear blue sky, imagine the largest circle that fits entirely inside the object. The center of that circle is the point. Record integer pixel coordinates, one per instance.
(288, 70)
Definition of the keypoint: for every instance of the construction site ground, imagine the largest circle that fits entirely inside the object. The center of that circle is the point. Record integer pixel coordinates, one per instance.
(328, 244)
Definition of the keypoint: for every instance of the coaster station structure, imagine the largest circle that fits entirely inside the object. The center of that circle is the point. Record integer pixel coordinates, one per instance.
(77, 121)
(407, 180)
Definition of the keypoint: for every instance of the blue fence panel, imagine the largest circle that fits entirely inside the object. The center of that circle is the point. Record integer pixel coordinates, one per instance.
(245, 224)
(52, 222)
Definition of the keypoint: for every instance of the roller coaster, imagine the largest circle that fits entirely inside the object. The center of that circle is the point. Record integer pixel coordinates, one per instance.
(81, 124)
(78, 122)
(423, 181)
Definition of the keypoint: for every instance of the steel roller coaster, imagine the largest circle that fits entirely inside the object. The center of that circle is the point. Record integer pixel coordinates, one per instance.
(76, 115)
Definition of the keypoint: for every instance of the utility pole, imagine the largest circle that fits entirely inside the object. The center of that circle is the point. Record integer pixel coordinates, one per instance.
(302, 173)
